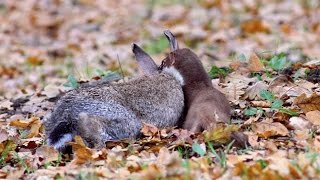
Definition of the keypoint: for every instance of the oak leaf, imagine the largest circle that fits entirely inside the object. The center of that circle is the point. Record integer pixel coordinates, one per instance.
(255, 64)
(254, 26)
(82, 153)
(313, 117)
(266, 129)
(48, 152)
(307, 104)
(149, 130)
(33, 123)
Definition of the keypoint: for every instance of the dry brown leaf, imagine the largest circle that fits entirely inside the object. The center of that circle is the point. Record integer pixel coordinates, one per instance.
(313, 117)
(279, 162)
(262, 104)
(34, 60)
(254, 26)
(286, 28)
(308, 103)
(6, 104)
(3, 135)
(22, 123)
(265, 130)
(255, 64)
(48, 152)
(298, 123)
(301, 135)
(149, 130)
(51, 91)
(316, 143)
(254, 91)
(16, 174)
(35, 128)
(34, 123)
(82, 153)
(235, 65)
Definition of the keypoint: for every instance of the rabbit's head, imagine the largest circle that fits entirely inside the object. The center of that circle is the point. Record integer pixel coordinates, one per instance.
(149, 67)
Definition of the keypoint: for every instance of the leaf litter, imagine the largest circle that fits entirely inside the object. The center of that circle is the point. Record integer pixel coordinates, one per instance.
(260, 57)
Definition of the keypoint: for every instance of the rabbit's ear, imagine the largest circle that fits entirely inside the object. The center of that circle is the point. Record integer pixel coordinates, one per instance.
(145, 62)
(172, 40)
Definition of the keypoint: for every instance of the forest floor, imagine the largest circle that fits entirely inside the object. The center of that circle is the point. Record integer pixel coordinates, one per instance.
(263, 55)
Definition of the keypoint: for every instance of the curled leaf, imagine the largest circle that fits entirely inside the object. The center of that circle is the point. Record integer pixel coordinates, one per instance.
(307, 104)
(265, 129)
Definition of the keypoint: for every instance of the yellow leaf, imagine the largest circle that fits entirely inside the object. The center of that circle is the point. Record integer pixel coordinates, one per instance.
(221, 133)
(33, 123)
(82, 153)
(35, 127)
(20, 123)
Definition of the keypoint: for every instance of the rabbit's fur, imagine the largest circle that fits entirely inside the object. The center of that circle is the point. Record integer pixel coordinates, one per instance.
(118, 110)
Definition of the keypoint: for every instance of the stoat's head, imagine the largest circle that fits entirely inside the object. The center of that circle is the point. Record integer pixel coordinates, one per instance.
(183, 64)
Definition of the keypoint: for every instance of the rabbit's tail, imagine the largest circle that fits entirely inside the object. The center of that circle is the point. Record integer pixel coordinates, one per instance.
(60, 134)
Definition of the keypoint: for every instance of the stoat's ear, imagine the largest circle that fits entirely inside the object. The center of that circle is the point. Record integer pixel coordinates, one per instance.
(145, 62)
(172, 40)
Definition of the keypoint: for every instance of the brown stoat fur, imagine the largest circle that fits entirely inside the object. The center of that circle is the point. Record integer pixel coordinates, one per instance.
(205, 105)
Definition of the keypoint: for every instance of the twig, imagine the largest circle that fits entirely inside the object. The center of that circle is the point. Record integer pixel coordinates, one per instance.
(122, 74)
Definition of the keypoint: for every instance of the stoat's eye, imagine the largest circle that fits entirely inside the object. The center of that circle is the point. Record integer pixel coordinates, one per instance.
(161, 66)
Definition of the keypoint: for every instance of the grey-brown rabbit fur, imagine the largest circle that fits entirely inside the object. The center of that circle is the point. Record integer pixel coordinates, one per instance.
(117, 110)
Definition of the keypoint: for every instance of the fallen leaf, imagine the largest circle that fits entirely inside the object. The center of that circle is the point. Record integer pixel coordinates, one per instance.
(34, 60)
(265, 130)
(34, 123)
(235, 65)
(254, 26)
(21, 123)
(255, 64)
(16, 174)
(299, 123)
(313, 117)
(316, 143)
(279, 162)
(35, 128)
(286, 28)
(221, 133)
(51, 91)
(149, 130)
(254, 91)
(82, 153)
(48, 152)
(308, 103)
(6, 104)
(3, 135)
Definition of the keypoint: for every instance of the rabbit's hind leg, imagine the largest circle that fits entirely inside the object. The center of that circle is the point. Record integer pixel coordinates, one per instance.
(96, 130)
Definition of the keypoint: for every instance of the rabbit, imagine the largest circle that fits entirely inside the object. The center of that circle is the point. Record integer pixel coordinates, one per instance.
(205, 105)
(117, 111)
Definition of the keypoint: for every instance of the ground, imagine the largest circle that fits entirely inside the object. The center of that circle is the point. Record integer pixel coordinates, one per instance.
(263, 55)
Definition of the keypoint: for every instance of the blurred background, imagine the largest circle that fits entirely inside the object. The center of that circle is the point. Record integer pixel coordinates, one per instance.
(42, 42)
